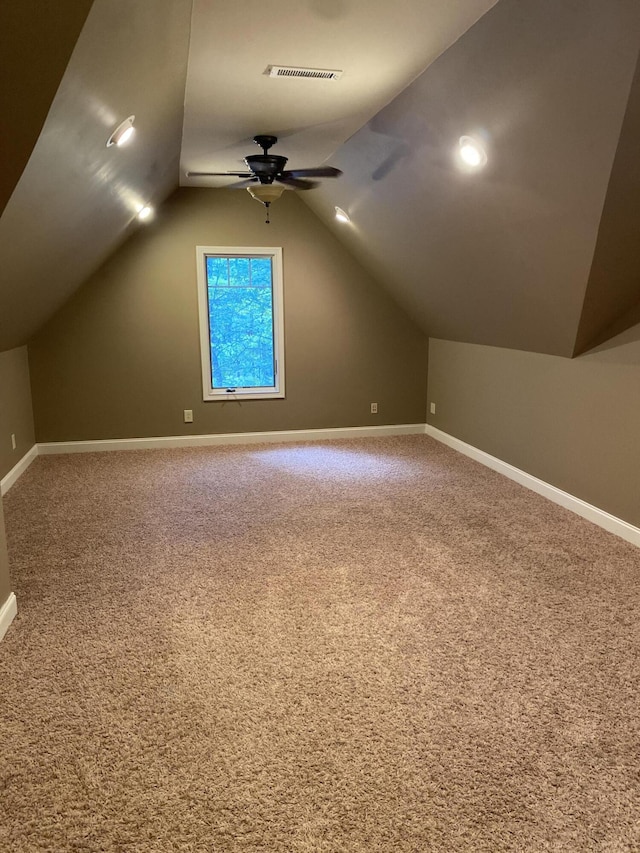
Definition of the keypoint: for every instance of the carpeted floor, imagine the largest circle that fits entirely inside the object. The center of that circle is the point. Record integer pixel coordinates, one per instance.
(365, 646)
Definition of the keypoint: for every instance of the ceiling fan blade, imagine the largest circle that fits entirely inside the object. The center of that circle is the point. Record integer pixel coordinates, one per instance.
(318, 172)
(219, 174)
(297, 183)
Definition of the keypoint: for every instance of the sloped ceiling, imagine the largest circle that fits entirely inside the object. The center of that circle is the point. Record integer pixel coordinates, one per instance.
(500, 257)
(520, 255)
(54, 28)
(76, 198)
(612, 299)
(380, 46)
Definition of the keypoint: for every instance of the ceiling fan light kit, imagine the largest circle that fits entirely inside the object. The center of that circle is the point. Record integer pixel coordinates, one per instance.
(265, 194)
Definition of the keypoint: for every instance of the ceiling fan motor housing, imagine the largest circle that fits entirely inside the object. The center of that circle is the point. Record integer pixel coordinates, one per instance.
(266, 167)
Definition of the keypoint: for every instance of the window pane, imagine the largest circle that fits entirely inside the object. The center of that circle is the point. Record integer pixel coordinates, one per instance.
(239, 272)
(240, 297)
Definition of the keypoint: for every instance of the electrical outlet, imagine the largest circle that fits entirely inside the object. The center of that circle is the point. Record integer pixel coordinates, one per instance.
(188, 416)
(13, 441)
(432, 408)
(374, 408)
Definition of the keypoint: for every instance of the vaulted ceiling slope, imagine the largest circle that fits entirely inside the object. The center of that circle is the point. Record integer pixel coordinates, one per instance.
(503, 257)
(379, 46)
(612, 299)
(76, 198)
(536, 252)
(36, 41)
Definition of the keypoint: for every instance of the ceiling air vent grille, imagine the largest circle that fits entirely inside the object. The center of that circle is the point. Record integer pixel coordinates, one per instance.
(310, 73)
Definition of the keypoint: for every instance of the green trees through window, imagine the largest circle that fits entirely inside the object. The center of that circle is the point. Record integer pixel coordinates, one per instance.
(240, 296)
(240, 299)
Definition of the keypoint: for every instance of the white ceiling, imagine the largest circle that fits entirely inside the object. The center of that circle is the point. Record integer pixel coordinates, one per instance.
(380, 46)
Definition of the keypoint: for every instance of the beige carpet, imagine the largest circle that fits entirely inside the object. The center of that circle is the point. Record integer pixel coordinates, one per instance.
(372, 645)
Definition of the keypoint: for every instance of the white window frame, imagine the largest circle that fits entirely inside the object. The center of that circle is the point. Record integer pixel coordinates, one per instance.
(275, 254)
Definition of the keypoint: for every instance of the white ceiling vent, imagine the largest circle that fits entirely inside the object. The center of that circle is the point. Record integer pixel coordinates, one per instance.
(311, 73)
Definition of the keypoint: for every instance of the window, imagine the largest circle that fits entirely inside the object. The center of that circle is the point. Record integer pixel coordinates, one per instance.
(241, 322)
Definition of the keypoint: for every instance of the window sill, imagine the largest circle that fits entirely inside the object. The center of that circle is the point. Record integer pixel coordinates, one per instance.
(240, 396)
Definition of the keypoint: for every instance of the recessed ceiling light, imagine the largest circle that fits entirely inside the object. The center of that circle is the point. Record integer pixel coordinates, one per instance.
(341, 216)
(145, 212)
(123, 133)
(472, 152)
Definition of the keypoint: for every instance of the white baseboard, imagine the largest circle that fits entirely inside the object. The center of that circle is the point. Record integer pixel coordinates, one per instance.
(18, 470)
(8, 613)
(592, 513)
(55, 447)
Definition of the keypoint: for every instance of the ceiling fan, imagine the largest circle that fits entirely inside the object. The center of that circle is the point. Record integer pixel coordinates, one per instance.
(265, 170)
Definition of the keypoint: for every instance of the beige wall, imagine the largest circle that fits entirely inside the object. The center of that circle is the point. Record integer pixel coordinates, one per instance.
(121, 358)
(573, 423)
(16, 414)
(16, 417)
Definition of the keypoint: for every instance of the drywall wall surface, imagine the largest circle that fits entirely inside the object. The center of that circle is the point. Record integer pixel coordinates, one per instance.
(573, 423)
(16, 412)
(5, 582)
(122, 358)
